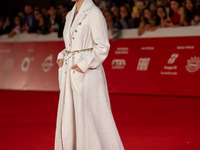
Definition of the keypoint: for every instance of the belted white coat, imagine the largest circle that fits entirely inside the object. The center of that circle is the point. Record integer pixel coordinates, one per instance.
(84, 117)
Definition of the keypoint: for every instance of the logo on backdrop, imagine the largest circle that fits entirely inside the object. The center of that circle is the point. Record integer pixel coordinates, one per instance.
(143, 64)
(8, 64)
(173, 58)
(188, 47)
(122, 50)
(25, 65)
(171, 69)
(193, 64)
(148, 48)
(48, 63)
(118, 64)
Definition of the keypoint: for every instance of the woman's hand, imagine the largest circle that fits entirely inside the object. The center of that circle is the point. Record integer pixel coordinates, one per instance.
(60, 63)
(76, 67)
(147, 27)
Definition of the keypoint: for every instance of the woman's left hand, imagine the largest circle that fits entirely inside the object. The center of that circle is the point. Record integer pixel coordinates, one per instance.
(76, 67)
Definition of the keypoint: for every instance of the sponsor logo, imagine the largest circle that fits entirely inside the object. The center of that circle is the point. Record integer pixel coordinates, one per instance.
(143, 64)
(171, 70)
(47, 64)
(30, 50)
(8, 64)
(147, 48)
(118, 64)
(5, 51)
(122, 50)
(193, 64)
(185, 47)
(173, 58)
(25, 65)
(168, 73)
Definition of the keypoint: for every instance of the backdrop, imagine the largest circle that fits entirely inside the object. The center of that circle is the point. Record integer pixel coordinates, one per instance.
(151, 64)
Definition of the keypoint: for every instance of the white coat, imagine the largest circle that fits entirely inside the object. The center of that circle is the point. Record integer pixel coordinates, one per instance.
(84, 117)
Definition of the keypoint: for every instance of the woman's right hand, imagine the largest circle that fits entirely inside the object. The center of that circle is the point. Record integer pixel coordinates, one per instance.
(60, 63)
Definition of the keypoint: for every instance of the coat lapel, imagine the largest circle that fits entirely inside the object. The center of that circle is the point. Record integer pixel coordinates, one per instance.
(68, 24)
(87, 4)
(79, 18)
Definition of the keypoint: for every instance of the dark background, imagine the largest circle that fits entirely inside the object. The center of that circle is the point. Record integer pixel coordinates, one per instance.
(12, 6)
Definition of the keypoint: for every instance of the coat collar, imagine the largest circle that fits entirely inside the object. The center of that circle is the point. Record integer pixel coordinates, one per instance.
(86, 5)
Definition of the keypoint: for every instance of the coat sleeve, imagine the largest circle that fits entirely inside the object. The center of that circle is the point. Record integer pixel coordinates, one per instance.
(101, 40)
(61, 55)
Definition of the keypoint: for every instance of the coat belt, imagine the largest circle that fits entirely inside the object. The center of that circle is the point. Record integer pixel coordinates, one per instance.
(78, 51)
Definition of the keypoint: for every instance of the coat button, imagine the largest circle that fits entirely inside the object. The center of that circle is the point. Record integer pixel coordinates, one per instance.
(80, 23)
(75, 30)
(73, 38)
(66, 63)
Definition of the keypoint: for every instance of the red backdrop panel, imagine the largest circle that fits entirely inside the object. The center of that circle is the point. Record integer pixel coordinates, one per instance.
(169, 66)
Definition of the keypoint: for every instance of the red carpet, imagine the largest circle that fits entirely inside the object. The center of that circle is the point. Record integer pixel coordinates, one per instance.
(144, 122)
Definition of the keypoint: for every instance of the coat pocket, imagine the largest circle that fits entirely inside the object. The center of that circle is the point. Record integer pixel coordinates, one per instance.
(76, 81)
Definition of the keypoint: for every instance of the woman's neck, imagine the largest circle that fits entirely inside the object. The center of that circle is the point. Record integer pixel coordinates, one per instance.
(78, 4)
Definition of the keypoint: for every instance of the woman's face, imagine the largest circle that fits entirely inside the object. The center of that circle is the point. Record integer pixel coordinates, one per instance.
(188, 5)
(41, 21)
(52, 11)
(21, 14)
(160, 12)
(174, 5)
(159, 3)
(140, 6)
(44, 11)
(123, 12)
(17, 21)
(115, 11)
(147, 14)
(7, 21)
(108, 16)
(1, 23)
(37, 15)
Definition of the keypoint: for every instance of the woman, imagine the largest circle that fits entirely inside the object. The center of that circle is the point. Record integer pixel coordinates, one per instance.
(84, 117)
(148, 22)
(137, 12)
(176, 14)
(125, 18)
(8, 25)
(53, 19)
(43, 26)
(115, 12)
(161, 16)
(189, 11)
(17, 27)
(112, 25)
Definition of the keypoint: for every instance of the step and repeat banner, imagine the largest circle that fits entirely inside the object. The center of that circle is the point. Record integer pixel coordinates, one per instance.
(138, 65)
